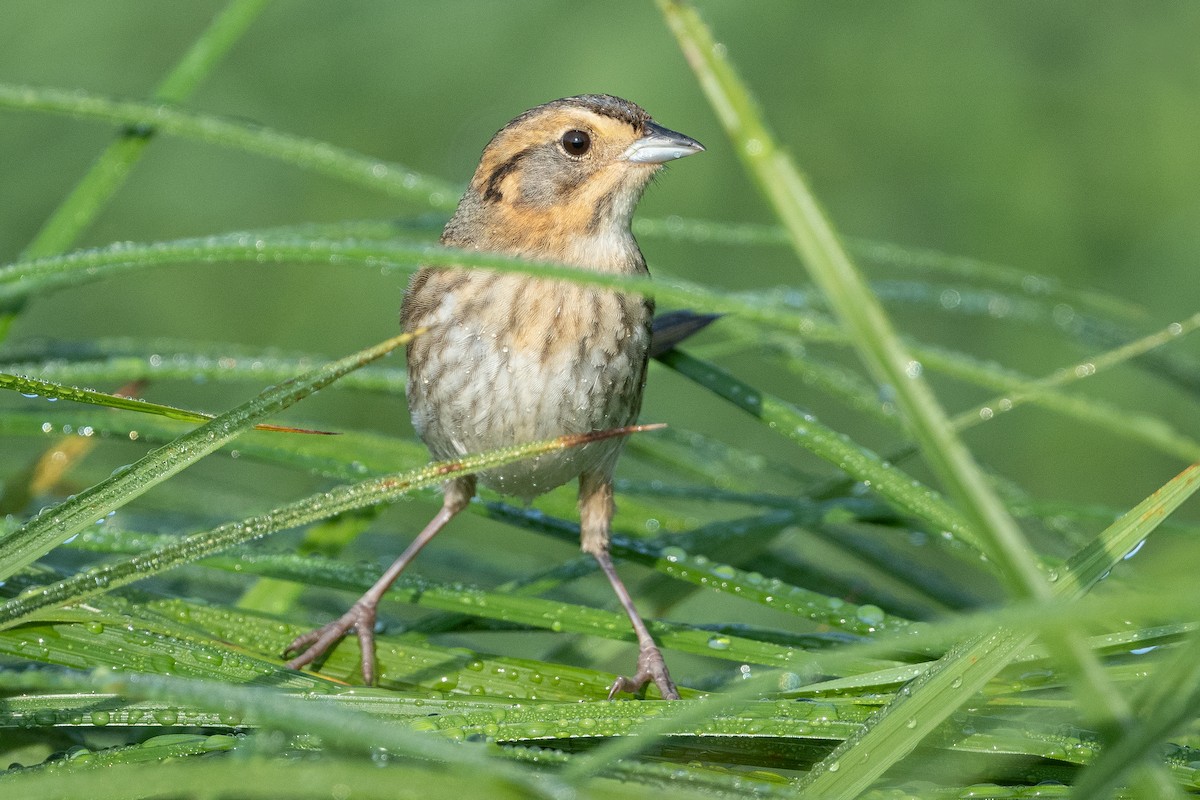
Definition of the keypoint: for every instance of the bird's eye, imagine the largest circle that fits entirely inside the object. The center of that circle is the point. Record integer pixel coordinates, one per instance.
(576, 143)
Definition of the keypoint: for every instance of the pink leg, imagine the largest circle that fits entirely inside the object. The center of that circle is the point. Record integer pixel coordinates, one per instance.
(650, 663)
(595, 513)
(361, 616)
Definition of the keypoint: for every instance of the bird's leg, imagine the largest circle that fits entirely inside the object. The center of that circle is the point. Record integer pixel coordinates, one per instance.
(361, 616)
(595, 514)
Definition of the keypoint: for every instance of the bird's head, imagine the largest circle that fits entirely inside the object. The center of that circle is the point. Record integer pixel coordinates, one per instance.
(566, 172)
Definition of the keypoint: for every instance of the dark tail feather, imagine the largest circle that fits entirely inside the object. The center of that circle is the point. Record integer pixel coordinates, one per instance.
(672, 327)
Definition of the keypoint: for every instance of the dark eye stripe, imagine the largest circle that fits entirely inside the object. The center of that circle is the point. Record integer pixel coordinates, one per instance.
(491, 189)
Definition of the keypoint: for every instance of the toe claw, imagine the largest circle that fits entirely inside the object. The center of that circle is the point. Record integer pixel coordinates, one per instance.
(650, 667)
(314, 644)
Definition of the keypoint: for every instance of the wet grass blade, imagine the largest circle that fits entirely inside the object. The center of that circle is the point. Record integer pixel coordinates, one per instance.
(874, 338)
(879, 346)
(1167, 704)
(22, 279)
(888, 481)
(33, 387)
(199, 545)
(922, 706)
(57, 524)
(312, 154)
(109, 171)
(120, 360)
(346, 730)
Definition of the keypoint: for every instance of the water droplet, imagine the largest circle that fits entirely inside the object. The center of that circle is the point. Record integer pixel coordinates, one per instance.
(674, 554)
(718, 642)
(870, 614)
(1062, 314)
(789, 681)
(166, 716)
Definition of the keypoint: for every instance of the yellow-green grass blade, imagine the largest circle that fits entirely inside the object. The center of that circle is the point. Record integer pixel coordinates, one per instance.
(58, 523)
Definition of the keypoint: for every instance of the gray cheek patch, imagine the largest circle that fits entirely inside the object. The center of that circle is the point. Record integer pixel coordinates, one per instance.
(548, 177)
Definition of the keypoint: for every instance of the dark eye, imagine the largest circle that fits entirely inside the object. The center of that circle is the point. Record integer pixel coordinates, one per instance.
(576, 143)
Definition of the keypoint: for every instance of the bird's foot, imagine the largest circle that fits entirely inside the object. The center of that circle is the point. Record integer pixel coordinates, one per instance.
(650, 667)
(314, 644)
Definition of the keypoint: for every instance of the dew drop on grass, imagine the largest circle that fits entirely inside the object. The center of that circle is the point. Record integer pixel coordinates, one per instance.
(674, 554)
(166, 716)
(870, 614)
(724, 571)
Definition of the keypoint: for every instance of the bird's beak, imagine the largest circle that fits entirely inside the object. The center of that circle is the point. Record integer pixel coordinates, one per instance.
(660, 145)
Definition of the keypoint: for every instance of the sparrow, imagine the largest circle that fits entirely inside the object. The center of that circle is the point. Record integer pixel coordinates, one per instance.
(506, 358)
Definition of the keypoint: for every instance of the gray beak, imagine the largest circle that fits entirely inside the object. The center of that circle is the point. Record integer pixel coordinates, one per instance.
(660, 145)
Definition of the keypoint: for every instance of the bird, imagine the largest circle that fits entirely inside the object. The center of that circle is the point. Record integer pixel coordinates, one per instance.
(505, 358)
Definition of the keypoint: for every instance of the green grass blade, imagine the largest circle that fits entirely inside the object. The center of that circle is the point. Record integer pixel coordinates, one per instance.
(114, 634)
(191, 548)
(1104, 552)
(55, 525)
(872, 334)
(1021, 390)
(534, 612)
(1167, 704)
(317, 156)
(272, 779)
(1152, 430)
(923, 261)
(347, 730)
(859, 463)
(964, 670)
(24, 278)
(121, 360)
(109, 171)
(33, 387)
(877, 343)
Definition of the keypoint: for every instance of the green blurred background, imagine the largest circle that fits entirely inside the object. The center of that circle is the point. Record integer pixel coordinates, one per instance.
(1059, 138)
